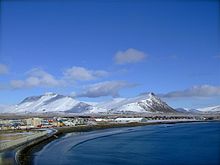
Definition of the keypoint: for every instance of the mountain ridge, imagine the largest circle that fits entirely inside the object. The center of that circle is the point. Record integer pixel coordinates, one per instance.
(53, 102)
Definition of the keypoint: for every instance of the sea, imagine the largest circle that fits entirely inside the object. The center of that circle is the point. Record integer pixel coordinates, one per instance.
(195, 143)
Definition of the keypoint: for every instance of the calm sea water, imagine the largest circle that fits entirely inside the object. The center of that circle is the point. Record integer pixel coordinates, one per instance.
(178, 144)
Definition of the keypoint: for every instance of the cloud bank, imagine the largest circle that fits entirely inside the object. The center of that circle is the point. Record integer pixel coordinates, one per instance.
(107, 88)
(83, 74)
(129, 56)
(195, 91)
(3, 69)
(37, 78)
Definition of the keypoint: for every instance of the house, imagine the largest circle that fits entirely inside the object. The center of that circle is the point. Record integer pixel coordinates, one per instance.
(34, 122)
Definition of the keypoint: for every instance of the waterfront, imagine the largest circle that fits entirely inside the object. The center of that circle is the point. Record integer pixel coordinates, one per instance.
(185, 143)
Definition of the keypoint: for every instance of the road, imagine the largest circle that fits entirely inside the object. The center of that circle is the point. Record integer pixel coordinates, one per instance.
(9, 156)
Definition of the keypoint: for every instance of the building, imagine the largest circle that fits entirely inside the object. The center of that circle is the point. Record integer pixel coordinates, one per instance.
(33, 122)
(130, 120)
(101, 120)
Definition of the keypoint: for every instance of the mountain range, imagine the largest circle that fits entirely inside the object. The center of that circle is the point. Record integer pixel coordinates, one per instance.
(56, 103)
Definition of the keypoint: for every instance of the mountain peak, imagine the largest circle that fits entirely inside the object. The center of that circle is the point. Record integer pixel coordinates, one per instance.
(151, 94)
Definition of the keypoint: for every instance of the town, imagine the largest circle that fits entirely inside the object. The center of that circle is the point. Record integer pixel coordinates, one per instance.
(25, 131)
(52, 122)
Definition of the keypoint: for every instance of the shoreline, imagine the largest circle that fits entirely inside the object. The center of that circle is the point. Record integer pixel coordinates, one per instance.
(6, 145)
(24, 155)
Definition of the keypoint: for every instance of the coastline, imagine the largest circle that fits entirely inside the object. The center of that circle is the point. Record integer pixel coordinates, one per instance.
(24, 155)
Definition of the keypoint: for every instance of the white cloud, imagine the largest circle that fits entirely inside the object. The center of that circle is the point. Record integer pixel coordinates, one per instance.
(129, 56)
(195, 91)
(217, 56)
(3, 86)
(3, 69)
(83, 74)
(17, 84)
(107, 88)
(37, 78)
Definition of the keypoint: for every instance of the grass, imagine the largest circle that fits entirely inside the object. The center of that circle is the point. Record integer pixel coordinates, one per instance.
(11, 135)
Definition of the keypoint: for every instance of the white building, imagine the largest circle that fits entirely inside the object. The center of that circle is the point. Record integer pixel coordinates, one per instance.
(69, 123)
(101, 120)
(33, 122)
(130, 120)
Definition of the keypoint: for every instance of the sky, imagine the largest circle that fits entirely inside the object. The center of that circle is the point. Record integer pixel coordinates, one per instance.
(98, 50)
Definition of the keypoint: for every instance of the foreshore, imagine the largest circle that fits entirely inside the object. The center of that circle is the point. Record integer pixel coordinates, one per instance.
(24, 155)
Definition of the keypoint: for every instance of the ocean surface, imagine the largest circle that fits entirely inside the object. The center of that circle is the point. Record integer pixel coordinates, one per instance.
(176, 144)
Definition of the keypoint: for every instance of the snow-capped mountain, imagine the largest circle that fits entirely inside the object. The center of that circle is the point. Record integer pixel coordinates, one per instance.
(51, 102)
(186, 110)
(205, 110)
(213, 109)
(149, 103)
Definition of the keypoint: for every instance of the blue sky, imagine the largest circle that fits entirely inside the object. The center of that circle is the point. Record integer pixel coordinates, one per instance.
(96, 50)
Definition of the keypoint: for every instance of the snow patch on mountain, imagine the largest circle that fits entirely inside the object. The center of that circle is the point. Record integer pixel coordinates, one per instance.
(187, 110)
(49, 102)
(210, 109)
(149, 103)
